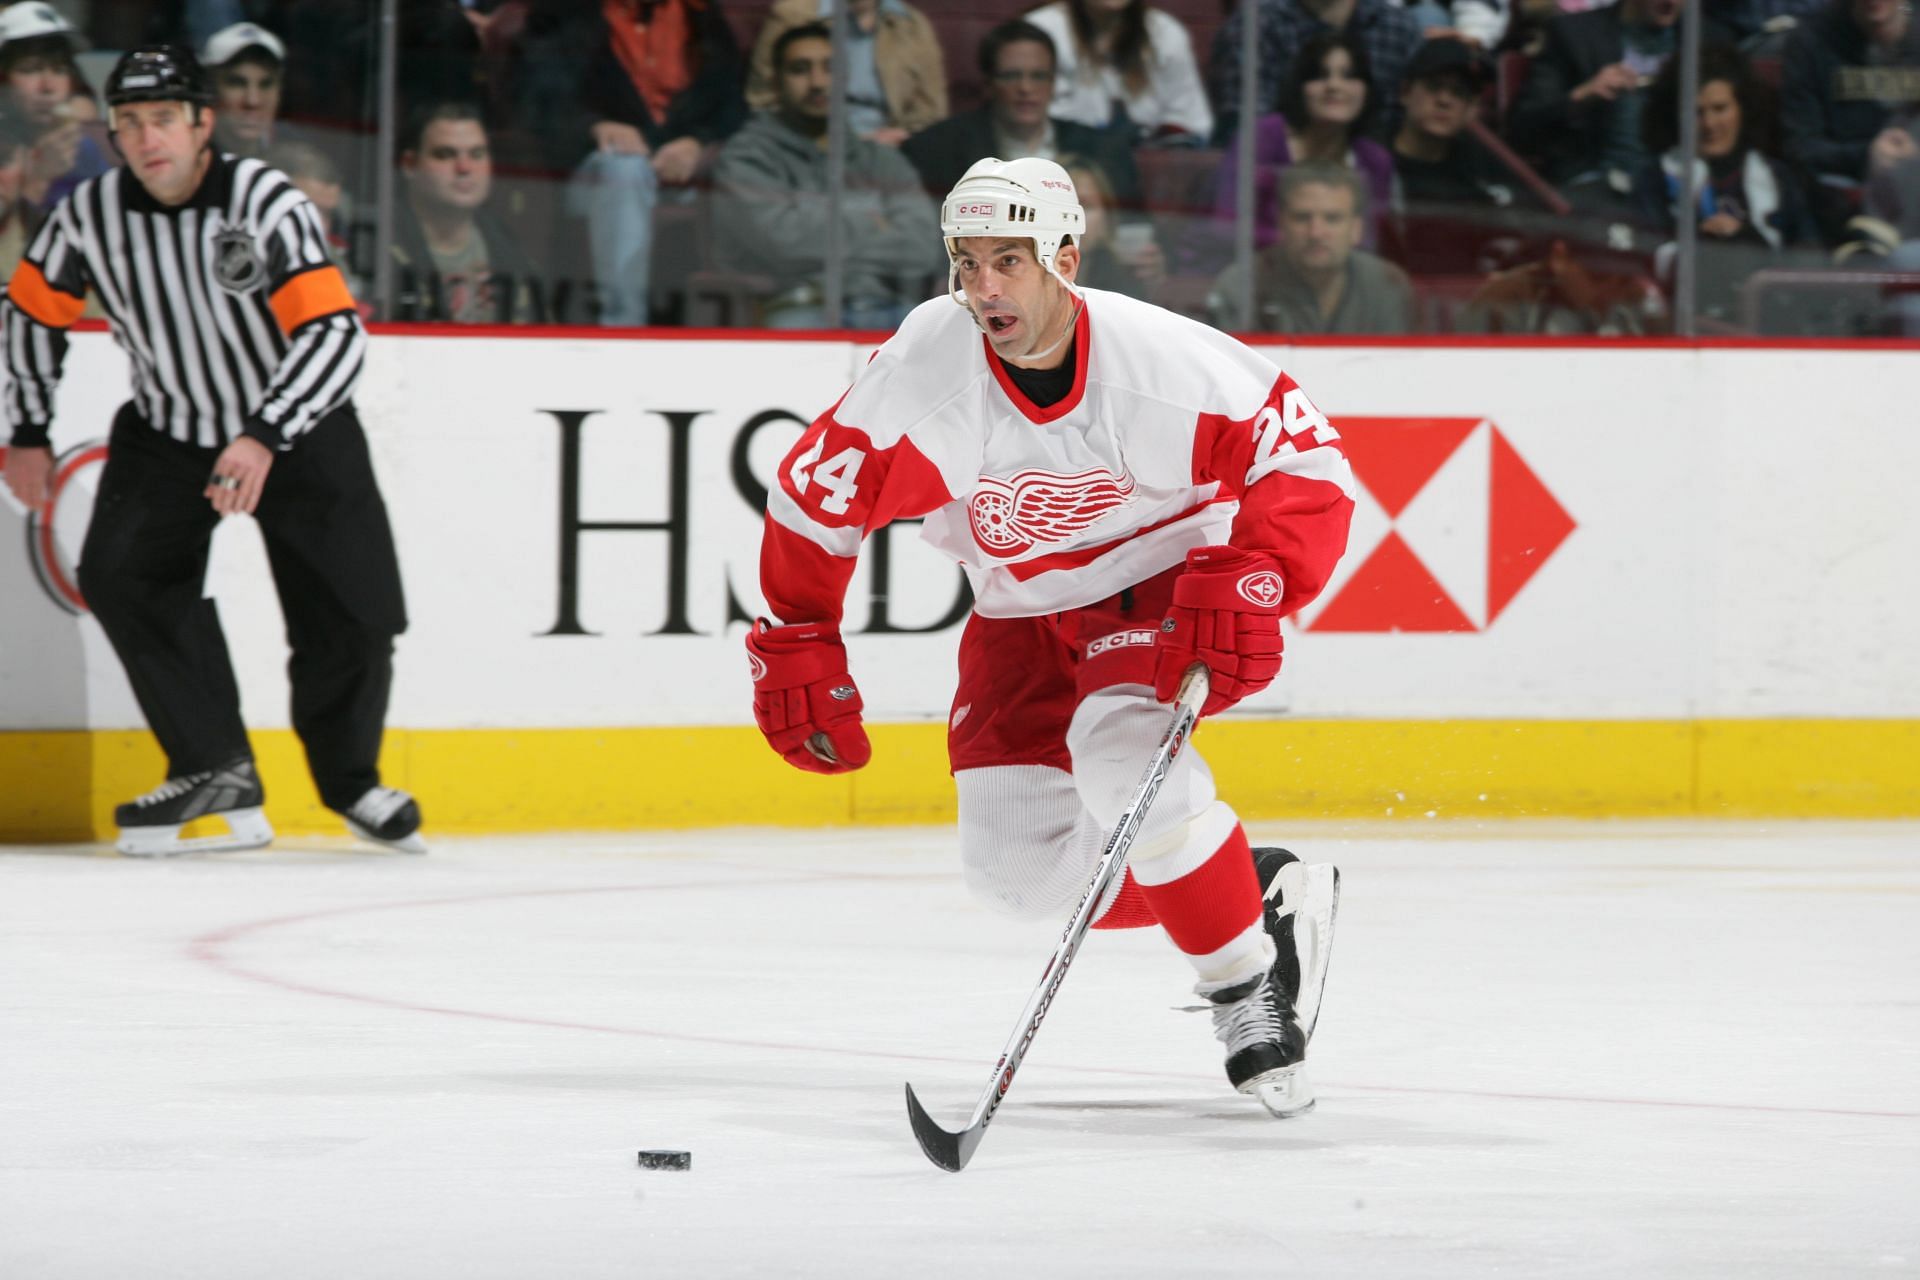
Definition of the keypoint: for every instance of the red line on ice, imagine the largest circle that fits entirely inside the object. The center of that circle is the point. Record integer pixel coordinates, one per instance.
(210, 949)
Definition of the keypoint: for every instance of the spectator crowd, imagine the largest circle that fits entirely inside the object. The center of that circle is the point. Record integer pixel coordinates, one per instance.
(1417, 165)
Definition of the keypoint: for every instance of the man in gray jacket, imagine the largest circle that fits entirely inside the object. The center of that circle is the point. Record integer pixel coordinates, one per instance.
(1318, 279)
(771, 205)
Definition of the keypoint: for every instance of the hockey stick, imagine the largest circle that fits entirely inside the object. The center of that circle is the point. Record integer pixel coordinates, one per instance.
(951, 1151)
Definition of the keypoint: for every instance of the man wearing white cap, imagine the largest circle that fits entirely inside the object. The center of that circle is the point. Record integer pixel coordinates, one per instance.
(1129, 493)
(246, 61)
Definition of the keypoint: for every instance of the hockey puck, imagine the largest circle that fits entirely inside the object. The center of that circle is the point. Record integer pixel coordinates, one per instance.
(666, 1159)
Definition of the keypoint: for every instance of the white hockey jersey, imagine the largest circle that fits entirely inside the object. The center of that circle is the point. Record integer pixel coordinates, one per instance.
(1173, 436)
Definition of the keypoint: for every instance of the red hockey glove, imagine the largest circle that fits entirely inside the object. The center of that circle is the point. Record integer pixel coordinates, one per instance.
(803, 699)
(1225, 613)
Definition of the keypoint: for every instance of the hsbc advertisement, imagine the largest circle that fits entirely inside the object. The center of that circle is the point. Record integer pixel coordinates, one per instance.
(1561, 533)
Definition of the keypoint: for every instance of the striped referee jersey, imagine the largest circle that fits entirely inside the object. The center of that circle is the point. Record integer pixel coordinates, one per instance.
(235, 319)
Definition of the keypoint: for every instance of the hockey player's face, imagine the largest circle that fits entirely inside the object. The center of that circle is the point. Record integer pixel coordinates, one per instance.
(164, 143)
(1015, 299)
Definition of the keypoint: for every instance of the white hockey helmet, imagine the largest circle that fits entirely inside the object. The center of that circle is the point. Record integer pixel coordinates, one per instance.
(1026, 199)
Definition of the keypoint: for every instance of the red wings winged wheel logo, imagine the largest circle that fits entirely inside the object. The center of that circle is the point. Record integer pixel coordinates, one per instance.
(1011, 516)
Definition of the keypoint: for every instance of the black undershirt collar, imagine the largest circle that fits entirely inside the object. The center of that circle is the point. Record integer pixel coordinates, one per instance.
(1045, 386)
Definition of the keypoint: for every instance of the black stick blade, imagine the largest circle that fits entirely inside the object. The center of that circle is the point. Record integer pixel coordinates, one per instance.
(950, 1151)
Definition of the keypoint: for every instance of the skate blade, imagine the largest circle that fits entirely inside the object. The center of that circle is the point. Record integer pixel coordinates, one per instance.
(1315, 891)
(1284, 1092)
(405, 844)
(246, 829)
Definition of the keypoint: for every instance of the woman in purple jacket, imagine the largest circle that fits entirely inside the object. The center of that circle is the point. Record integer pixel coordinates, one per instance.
(1325, 113)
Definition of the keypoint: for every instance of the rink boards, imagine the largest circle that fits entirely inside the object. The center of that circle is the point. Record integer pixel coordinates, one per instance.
(1583, 580)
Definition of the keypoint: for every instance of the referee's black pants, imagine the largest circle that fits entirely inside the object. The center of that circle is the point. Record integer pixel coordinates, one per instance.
(144, 565)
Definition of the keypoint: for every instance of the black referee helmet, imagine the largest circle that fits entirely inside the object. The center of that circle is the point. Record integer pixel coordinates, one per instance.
(159, 73)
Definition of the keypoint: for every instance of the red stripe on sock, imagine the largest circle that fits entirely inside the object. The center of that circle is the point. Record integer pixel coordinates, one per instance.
(1129, 909)
(1214, 903)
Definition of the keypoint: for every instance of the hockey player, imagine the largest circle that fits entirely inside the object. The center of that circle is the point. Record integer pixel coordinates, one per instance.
(1129, 492)
(246, 348)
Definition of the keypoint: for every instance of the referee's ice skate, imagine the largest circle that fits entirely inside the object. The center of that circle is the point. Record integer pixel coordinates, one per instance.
(385, 816)
(150, 826)
(1301, 901)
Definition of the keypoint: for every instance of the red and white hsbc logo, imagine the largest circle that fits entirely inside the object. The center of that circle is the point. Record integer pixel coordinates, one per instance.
(1451, 523)
(1010, 517)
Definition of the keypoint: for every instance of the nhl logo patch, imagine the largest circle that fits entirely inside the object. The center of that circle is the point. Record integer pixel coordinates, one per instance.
(237, 265)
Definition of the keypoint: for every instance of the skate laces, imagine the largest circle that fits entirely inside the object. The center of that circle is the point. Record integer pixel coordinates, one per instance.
(377, 805)
(170, 788)
(1255, 1018)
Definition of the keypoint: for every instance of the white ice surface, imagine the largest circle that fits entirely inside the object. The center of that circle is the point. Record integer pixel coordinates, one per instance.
(1609, 1050)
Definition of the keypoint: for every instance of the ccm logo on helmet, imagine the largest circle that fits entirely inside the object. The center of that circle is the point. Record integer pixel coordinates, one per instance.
(1263, 588)
(975, 210)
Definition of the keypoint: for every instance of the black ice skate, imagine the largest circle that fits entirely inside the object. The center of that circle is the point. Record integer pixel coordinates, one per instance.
(150, 826)
(1301, 902)
(1266, 1047)
(385, 816)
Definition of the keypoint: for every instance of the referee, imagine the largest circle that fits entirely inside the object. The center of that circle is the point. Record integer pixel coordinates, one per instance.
(245, 348)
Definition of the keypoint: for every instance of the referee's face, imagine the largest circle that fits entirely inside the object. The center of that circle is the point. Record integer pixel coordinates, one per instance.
(165, 146)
